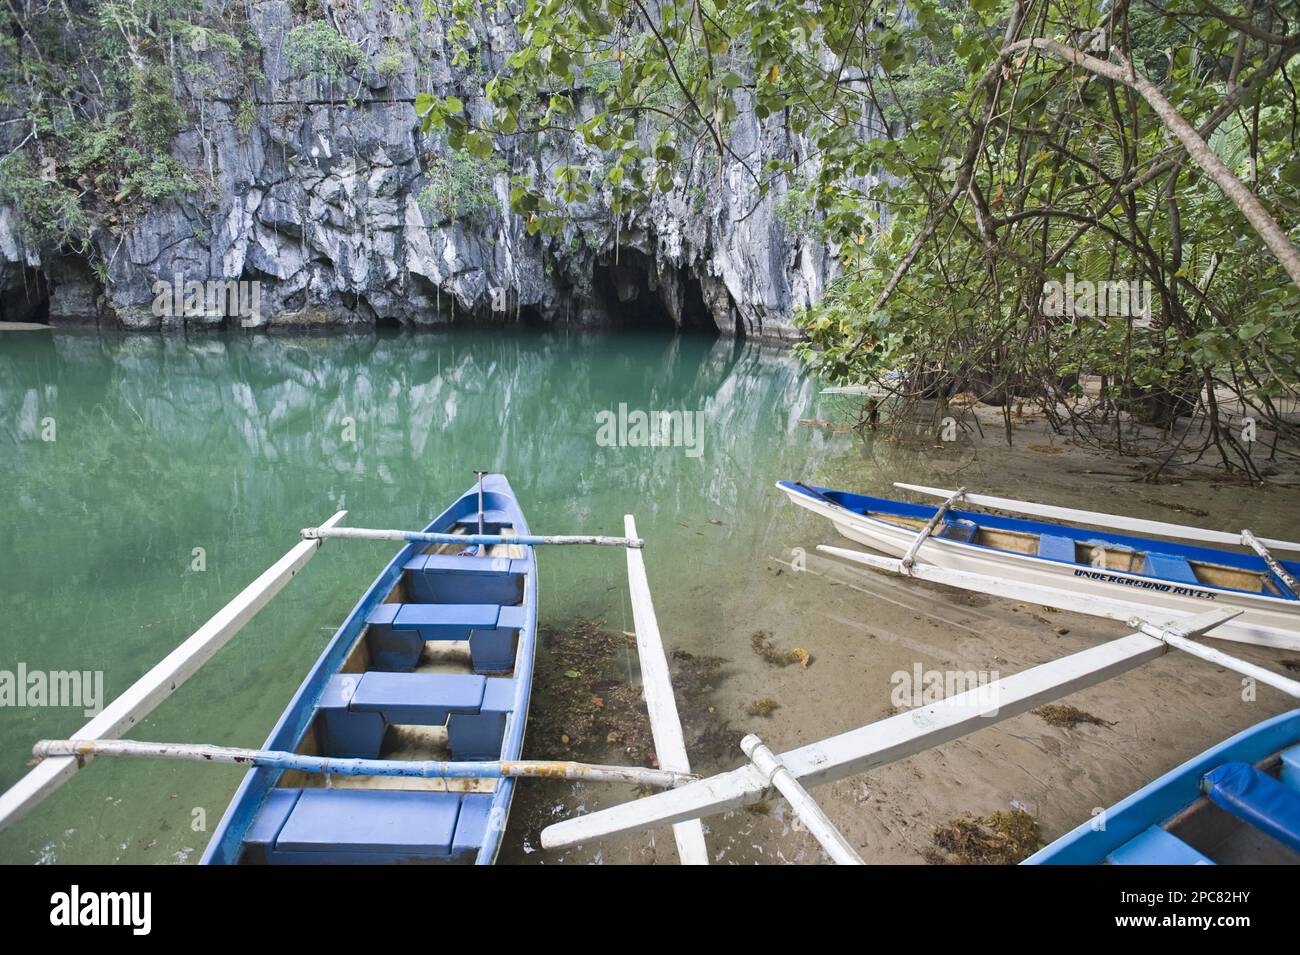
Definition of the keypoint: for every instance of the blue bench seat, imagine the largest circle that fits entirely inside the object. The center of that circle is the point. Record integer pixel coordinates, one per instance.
(1157, 846)
(493, 521)
(1169, 568)
(1257, 799)
(259, 840)
(960, 530)
(451, 578)
(358, 826)
(1056, 547)
(396, 633)
(426, 699)
(367, 826)
(356, 710)
(471, 827)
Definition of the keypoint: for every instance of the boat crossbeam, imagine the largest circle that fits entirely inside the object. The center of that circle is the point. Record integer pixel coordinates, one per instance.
(910, 557)
(489, 540)
(338, 766)
(1275, 565)
(804, 806)
(1177, 635)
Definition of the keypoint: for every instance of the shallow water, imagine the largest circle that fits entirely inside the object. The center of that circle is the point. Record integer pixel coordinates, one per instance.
(162, 445)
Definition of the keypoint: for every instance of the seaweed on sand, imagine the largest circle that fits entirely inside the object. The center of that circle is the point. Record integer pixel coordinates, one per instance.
(587, 701)
(761, 641)
(1004, 838)
(1060, 714)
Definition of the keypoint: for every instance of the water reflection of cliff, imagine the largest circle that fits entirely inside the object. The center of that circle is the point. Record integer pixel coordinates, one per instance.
(251, 425)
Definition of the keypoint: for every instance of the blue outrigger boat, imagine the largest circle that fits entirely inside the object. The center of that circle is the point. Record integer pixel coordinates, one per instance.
(434, 662)
(1238, 802)
(1071, 565)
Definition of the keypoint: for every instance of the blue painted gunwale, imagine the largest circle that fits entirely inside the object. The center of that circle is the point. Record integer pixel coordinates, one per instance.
(860, 503)
(227, 841)
(1157, 802)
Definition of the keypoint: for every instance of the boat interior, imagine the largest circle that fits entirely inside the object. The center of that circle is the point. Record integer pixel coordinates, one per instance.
(1173, 563)
(1247, 815)
(430, 676)
(1101, 554)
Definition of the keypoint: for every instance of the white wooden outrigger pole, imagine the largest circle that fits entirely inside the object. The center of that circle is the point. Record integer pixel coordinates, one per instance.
(656, 684)
(804, 806)
(882, 742)
(1175, 634)
(159, 683)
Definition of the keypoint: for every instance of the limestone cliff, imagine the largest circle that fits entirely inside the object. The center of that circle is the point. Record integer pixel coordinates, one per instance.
(311, 186)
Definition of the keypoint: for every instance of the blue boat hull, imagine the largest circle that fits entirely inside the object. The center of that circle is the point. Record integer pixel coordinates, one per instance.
(373, 688)
(1188, 816)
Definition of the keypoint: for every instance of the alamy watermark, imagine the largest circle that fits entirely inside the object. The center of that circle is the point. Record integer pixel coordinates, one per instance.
(180, 298)
(1104, 299)
(74, 907)
(623, 428)
(24, 687)
(921, 687)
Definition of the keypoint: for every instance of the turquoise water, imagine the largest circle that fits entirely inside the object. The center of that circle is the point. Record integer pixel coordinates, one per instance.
(163, 445)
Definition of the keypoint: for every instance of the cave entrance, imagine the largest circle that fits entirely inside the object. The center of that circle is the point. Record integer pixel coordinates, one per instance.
(633, 295)
(27, 300)
(530, 316)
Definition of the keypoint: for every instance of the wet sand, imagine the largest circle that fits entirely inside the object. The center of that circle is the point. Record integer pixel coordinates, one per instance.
(862, 627)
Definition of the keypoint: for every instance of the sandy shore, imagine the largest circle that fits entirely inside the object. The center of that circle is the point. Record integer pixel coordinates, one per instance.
(862, 628)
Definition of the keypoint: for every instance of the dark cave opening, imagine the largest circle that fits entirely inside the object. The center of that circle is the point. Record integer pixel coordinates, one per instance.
(27, 300)
(530, 316)
(629, 289)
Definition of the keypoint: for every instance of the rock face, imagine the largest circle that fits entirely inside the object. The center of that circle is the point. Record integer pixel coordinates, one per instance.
(316, 200)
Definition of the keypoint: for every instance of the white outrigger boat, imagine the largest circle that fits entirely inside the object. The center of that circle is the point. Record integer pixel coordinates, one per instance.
(1070, 567)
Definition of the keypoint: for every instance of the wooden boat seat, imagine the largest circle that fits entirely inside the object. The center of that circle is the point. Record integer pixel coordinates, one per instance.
(1257, 799)
(1157, 846)
(447, 578)
(395, 633)
(1056, 547)
(359, 826)
(356, 711)
(1169, 568)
